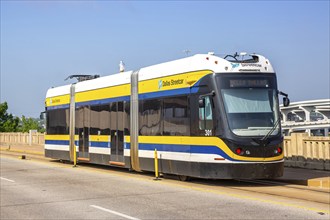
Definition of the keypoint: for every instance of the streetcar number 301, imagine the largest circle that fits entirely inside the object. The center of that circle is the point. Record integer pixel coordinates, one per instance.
(208, 132)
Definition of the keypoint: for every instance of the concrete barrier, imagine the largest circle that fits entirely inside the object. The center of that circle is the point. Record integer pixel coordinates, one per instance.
(301, 150)
(33, 138)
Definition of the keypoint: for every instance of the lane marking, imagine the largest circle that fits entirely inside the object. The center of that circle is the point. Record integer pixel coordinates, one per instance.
(22, 151)
(7, 179)
(195, 188)
(214, 191)
(114, 212)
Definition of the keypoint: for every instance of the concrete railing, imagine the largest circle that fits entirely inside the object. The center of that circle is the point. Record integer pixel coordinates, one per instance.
(32, 138)
(301, 150)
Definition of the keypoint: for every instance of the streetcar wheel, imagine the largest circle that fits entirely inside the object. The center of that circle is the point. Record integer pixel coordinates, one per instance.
(184, 178)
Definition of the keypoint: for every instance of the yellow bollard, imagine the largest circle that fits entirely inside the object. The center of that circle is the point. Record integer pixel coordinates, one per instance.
(156, 165)
(22, 157)
(74, 157)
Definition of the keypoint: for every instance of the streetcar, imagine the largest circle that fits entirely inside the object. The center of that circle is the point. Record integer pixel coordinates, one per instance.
(206, 116)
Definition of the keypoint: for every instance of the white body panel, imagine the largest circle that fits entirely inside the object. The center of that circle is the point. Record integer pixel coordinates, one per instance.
(57, 91)
(103, 82)
(189, 64)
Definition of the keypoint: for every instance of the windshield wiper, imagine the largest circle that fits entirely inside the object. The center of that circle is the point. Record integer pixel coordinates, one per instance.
(272, 130)
(263, 141)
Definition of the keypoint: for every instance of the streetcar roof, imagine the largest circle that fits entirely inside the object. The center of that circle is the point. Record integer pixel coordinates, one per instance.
(189, 64)
(205, 62)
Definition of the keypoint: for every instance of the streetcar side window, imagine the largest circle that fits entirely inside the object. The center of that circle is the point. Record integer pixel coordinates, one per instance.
(205, 114)
(100, 120)
(176, 116)
(168, 116)
(127, 118)
(95, 120)
(58, 121)
(104, 119)
(150, 118)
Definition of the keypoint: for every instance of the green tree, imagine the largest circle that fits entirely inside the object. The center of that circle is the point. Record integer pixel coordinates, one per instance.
(29, 124)
(8, 123)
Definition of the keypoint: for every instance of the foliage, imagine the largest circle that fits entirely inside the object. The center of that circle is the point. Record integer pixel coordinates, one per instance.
(8, 123)
(29, 124)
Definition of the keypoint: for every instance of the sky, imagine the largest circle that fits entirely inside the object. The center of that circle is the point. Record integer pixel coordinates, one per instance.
(43, 42)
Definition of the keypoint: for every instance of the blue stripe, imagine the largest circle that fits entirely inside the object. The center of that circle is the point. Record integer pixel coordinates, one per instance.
(166, 147)
(100, 144)
(172, 92)
(57, 107)
(194, 89)
(92, 143)
(193, 149)
(198, 82)
(160, 94)
(57, 142)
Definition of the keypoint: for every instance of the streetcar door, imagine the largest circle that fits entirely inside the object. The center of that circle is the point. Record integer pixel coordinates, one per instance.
(117, 134)
(202, 119)
(83, 117)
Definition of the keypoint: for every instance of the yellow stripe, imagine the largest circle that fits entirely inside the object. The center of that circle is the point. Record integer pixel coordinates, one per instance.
(21, 151)
(104, 93)
(57, 137)
(99, 138)
(127, 139)
(180, 140)
(97, 94)
(184, 80)
(58, 100)
(240, 196)
(199, 141)
(184, 185)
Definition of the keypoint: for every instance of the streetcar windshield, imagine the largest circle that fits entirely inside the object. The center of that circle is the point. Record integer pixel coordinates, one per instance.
(251, 107)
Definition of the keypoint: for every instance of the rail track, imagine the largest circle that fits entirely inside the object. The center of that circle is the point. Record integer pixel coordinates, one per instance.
(273, 187)
(267, 187)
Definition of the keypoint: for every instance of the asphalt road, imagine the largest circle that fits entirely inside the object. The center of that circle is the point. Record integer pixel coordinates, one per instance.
(32, 189)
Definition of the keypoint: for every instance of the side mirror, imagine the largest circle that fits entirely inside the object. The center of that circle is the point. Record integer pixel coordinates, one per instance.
(286, 101)
(201, 103)
(42, 115)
